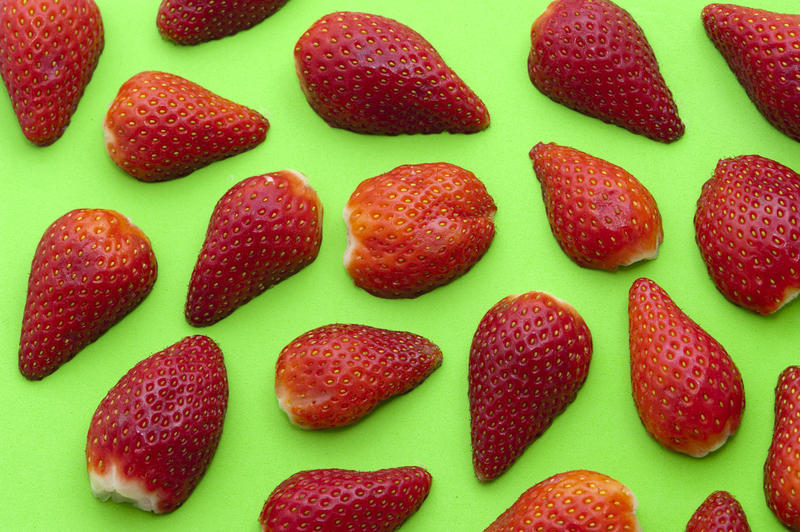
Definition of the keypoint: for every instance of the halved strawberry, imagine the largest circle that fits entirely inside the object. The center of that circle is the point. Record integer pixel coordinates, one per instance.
(781, 482)
(720, 512)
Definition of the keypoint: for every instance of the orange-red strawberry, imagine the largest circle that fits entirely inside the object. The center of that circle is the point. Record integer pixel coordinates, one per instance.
(592, 56)
(601, 215)
(781, 483)
(529, 358)
(91, 268)
(415, 228)
(334, 375)
(372, 74)
(263, 230)
(161, 126)
(154, 434)
(720, 512)
(50, 49)
(687, 389)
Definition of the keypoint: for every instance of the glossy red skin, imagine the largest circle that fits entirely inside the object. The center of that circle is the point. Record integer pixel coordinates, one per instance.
(781, 484)
(372, 74)
(339, 500)
(263, 230)
(161, 126)
(91, 268)
(529, 358)
(720, 512)
(600, 214)
(687, 390)
(48, 53)
(196, 21)
(573, 62)
(334, 375)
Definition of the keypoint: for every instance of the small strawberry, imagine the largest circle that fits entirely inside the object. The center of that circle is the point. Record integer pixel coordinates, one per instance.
(781, 482)
(263, 230)
(415, 228)
(687, 390)
(601, 216)
(592, 56)
(161, 126)
(91, 268)
(720, 512)
(340, 500)
(529, 358)
(747, 227)
(332, 376)
(372, 74)
(154, 434)
(50, 49)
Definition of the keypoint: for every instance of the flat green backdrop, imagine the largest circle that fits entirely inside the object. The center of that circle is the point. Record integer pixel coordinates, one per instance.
(43, 424)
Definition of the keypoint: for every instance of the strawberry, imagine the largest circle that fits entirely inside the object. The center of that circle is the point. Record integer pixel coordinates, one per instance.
(746, 227)
(334, 375)
(50, 49)
(154, 434)
(197, 21)
(572, 501)
(529, 358)
(687, 389)
(592, 56)
(720, 512)
(415, 228)
(781, 483)
(372, 74)
(91, 268)
(339, 500)
(601, 216)
(161, 126)
(263, 230)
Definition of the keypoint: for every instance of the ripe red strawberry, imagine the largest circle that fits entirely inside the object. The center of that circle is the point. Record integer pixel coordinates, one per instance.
(781, 483)
(687, 390)
(154, 434)
(334, 375)
(572, 501)
(592, 56)
(529, 358)
(161, 126)
(50, 49)
(91, 268)
(340, 500)
(720, 512)
(746, 227)
(601, 216)
(198, 21)
(372, 74)
(263, 230)
(415, 228)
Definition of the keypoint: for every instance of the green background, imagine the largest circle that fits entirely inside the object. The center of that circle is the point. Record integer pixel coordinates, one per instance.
(43, 424)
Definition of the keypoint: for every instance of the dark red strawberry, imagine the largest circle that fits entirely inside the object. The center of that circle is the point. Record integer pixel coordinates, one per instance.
(334, 375)
(49, 52)
(340, 500)
(720, 512)
(161, 126)
(415, 228)
(747, 227)
(154, 434)
(601, 216)
(781, 483)
(197, 21)
(592, 56)
(263, 230)
(529, 358)
(91, 268)
(687, 390)
(372, 74)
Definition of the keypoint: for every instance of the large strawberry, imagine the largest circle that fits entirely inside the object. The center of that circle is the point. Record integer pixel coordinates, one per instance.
(592, 56)
(341, 500)
(334, 375)
(161, 126)
(372, 74)
(154, 434)
(91, 268)
(49, 51)
(529, 358)
(263, 230)
(781, 482)
(747, 226)
(601, 216)
(415, 228)
(720, 512)
(687, 389)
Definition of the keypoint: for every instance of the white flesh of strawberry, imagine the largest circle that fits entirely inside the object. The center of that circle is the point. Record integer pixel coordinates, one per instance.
(117, 487)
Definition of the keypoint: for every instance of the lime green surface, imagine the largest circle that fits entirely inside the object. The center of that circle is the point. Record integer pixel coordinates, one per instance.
(43, 424)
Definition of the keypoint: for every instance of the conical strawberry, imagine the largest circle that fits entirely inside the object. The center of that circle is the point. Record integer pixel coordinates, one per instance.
(781, 483)
(720, 512)
(197, 21)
